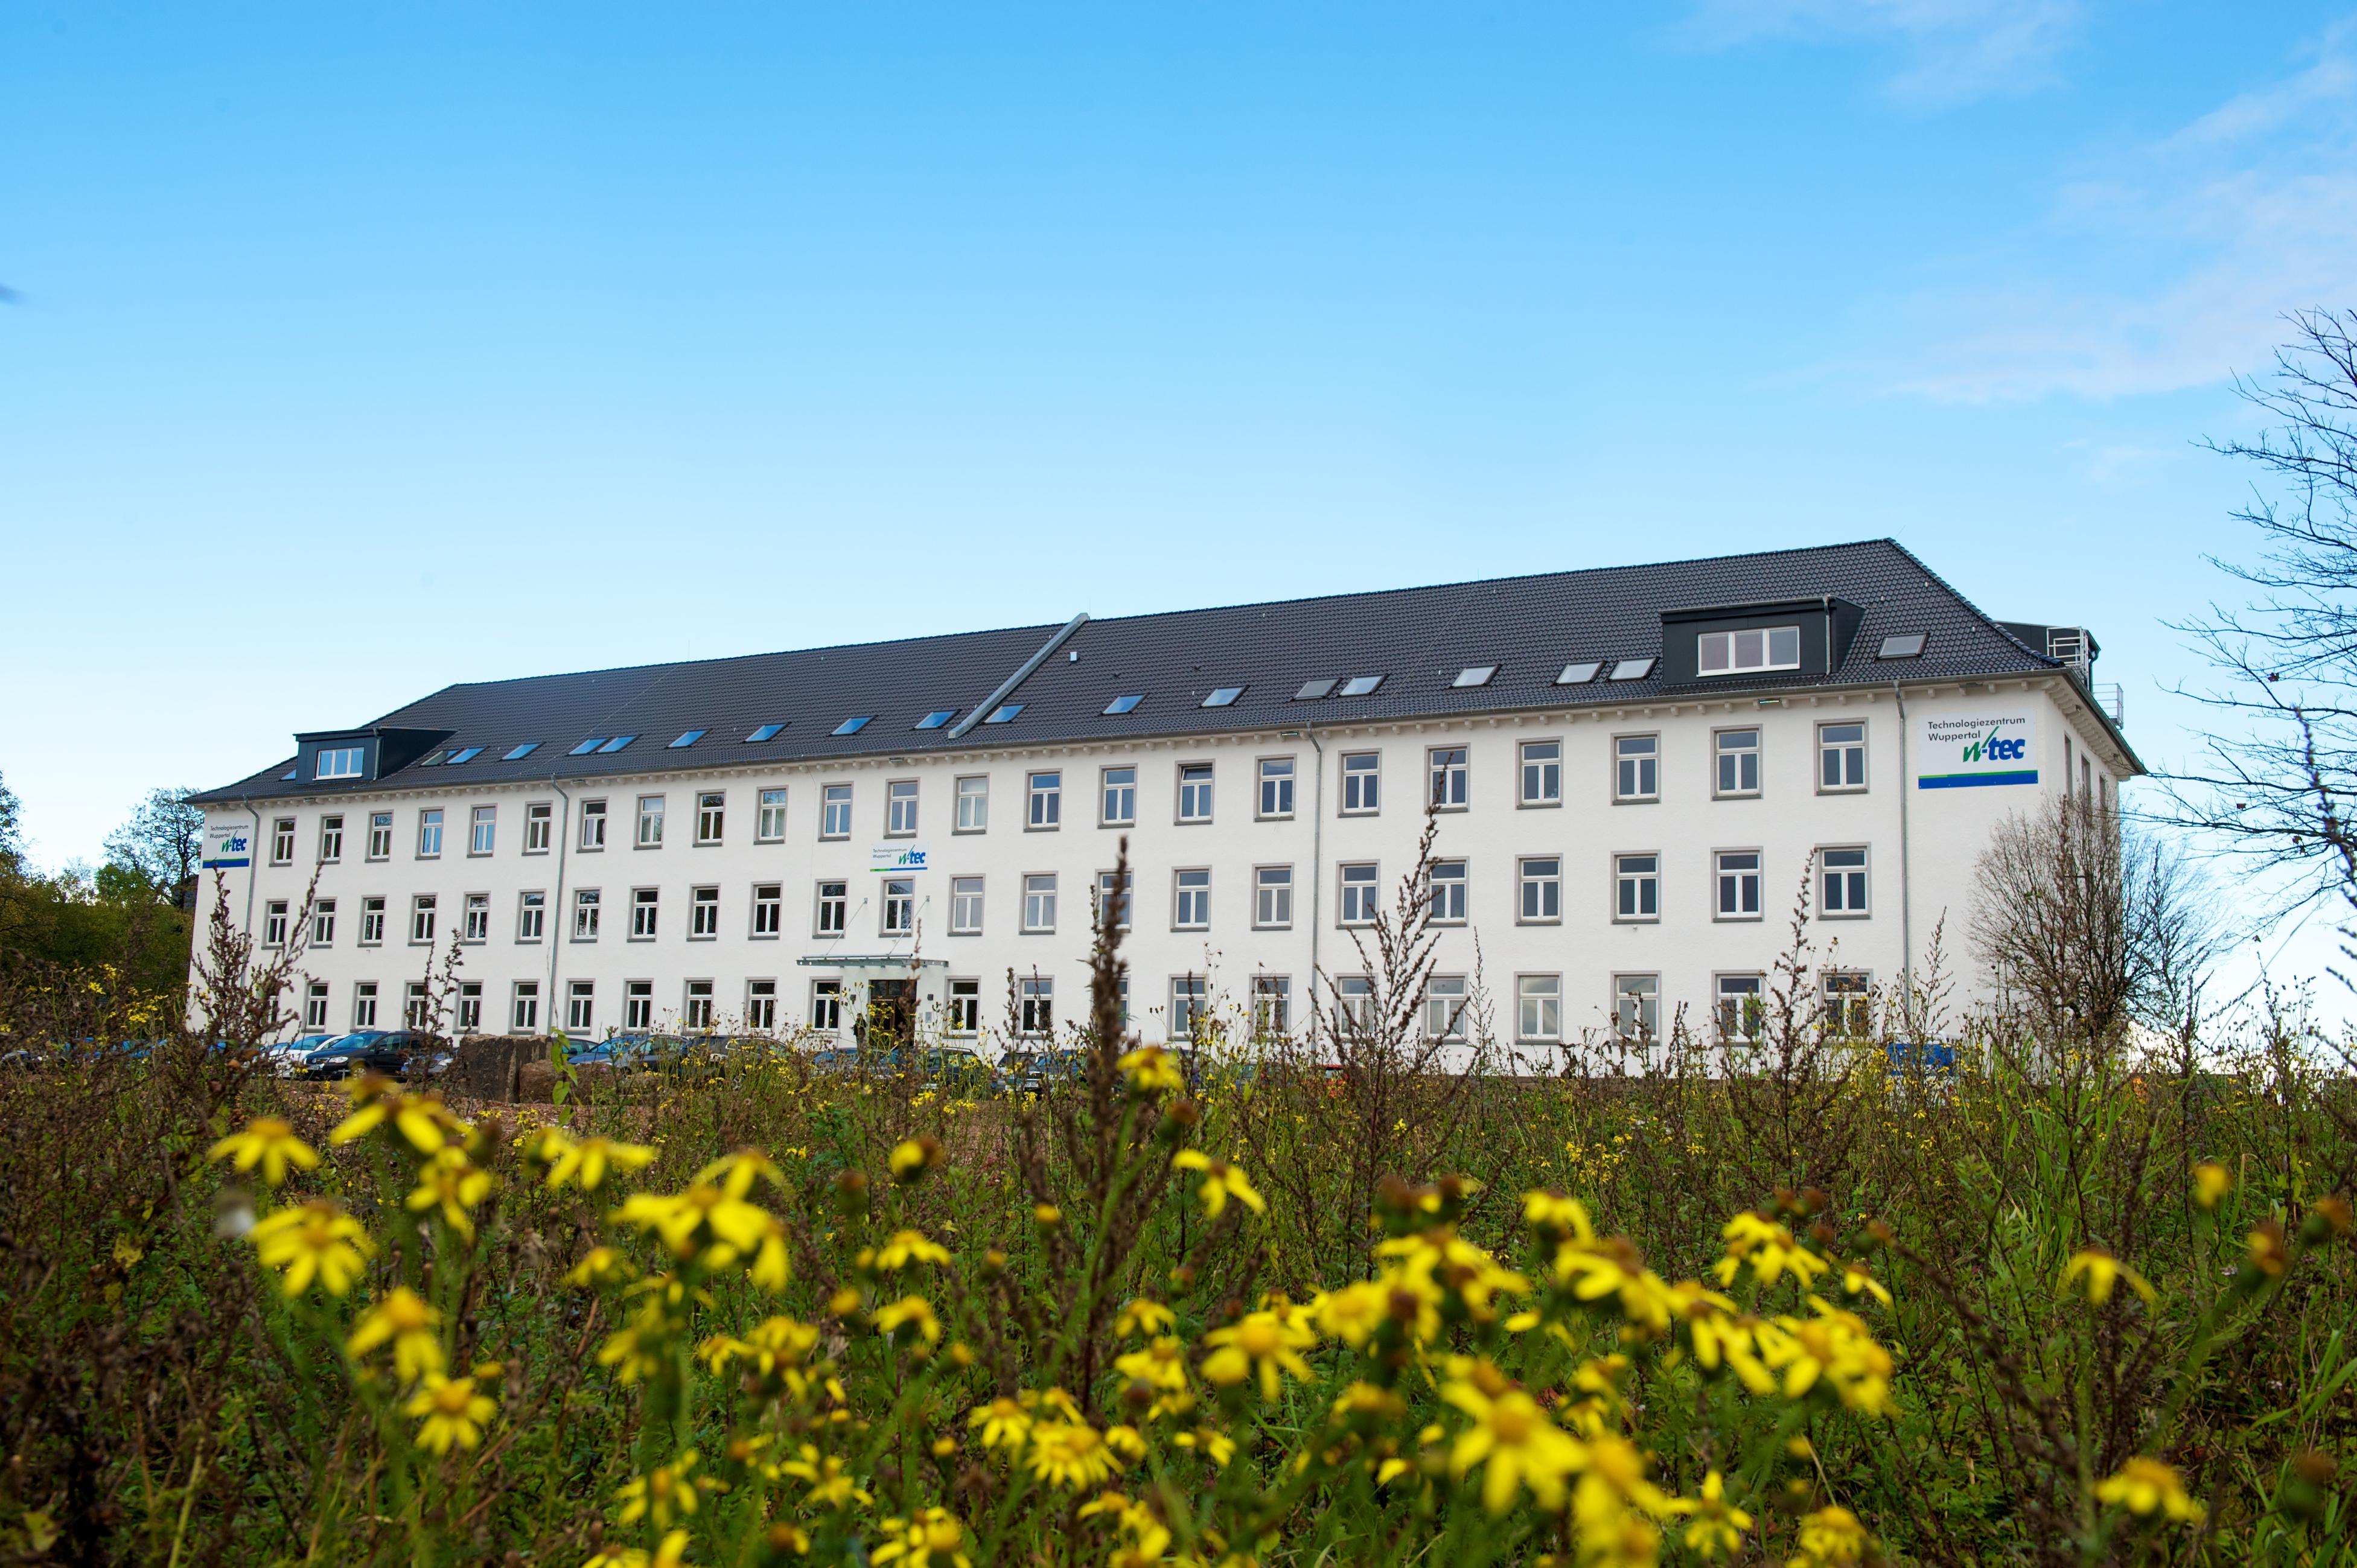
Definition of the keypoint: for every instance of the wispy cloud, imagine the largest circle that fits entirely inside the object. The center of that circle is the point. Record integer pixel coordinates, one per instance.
(1943, 51)
(2170, 269)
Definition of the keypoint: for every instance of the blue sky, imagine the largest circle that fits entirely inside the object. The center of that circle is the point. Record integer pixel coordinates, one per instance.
(359, 350)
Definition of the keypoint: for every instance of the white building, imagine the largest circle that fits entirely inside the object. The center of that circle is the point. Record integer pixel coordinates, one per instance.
(1638, 767)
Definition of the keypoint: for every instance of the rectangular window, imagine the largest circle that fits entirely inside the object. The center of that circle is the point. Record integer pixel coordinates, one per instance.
(769, 909)
(1187, 999)
(1542, 773)
(585, 904)
(703, 914)
(416, 1007)
(1039, 903)
(965, 906)
(1362, 783)
(761, 1005)
(429, 834)
(1637, 768)
(1740, 1010)
(273, 923)
(965, 1006)
(1448, 892)
(1116, 903)
(480, 828)
(1542, 890)
(1359, 894)
(1738, 884)
(770, 825)
(650, 820)
(1636, 886)
(638, 1005)
(1637, 1007)
(1192, 910)
(974, 805)
(593, 825)
(1120, 804)
(1539, 1006)
(364, 1004)
(899, 906)
(339, 762)
(314, 1006)
(1273, 897)
(710, 813)
(833, 908)
(696, 1013)
(1195, 792)
(331, 840)
(475, 918)
(524, 1017)
(644, 905)
(1451, 778)
(1843, 881)
(1035, 1005)
(379, 840)
(1354, 1004)
(1444, 1007)
(282, 841)
(371, 922)
(1047, 791)
(531, 916)
(1849, 1004)
(826, 1006)
(834, 811)
(1272, 997)
(900, 809)
(470, 1006)
(421, 919)
(539, 827)
(581, 1006)
(1738, 763)
(1276, 787)
(1734, 652)
(323, 923)
(1840, 758)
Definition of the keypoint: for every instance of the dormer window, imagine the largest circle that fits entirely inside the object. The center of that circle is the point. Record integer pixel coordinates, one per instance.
(1742, 652)
(340, 761)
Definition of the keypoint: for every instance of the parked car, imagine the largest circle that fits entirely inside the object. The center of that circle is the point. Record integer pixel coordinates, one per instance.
(288, 1058)
(397, 1053)
(1037, 1071)
(960, 1069)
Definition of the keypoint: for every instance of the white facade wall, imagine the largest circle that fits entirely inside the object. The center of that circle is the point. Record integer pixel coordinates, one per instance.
(1689, 946)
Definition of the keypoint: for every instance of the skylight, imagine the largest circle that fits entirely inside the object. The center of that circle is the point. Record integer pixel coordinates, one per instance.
(526, 749)
(1223, 697)
(1632, 670)
(1004, 714)
(1125, 705)
(1901, 645)
(468, 754)
(686, 739)
(617, 744)
(1579, 675)
(1313, 690)
(586, 747)
(1475, 676)
(434, 760)
(1362, 685)
(937, 718)
(766, 732)
(288, 776)
(853, 725)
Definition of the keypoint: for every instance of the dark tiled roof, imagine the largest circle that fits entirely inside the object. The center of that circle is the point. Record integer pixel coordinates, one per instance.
(1416, 639)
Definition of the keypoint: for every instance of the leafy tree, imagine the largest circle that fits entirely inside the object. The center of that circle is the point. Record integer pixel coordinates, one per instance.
(159, 848)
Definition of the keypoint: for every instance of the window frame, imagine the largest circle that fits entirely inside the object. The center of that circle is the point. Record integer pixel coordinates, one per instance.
(429, 832)
(1550, 999)
(1767, 635)
(1271, 993)
(981, 797)
(1651, 758)
(1461, 884)
(1434, 998)
(703, 913)
(1720, 754)
(1286, 780)
(894, 827)
(641, 838)
(963, 1002)
(331, 839)
(761, 1004)
(592, 840)
(826, 1003)
(323, 923)
(581, 1006)
(364, 1004)
(380, 836)
(315, 1005)
(962, 889)
(425, 919)
(1101, 887)
(1719, 994)
(474, 919)
(765, 905)
(482, 832)
(1195, 792)
(523, 1007)
(374, 915)
(1371, 778)
(697, 1008)
(275, 923)
(531, 917)
(1551, 798)
(1858, 876)
(1647, 1027)
(1198, 893)
(840, 904)
(1035, 1006)
(768, 808)
(1829, 748)
(1643, 880)
(1262, 890)
(539, 826)
(1190, 999)
(1720, 872)
(831, 797)
(638, 1004)
(282, 841)
(1107, 787)
(1043, 804)
(904, 900)
(591, 902)
(646, 914)
(1033, 891)
(1447, 777)
(1369, 889)
(710, 817)
(1547, 884)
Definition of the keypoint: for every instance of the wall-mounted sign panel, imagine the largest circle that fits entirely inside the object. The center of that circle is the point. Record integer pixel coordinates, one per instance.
(1962, 751)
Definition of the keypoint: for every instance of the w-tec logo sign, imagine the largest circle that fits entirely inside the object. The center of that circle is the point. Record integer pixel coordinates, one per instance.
(1967, 750)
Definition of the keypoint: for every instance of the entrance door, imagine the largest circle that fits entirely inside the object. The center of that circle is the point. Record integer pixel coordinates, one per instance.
(891, 1011)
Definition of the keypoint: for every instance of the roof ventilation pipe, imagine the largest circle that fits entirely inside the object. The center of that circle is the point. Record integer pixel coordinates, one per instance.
(989, 704)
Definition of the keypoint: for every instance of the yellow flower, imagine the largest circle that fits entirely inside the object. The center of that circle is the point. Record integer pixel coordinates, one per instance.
(1222, 1181)
(1831, 1537)
(908, 1247)
(313, 1239)
(1513, 1439)
(599, 1265)
(2211, 1183)
(669, 1489)
(453, 1182)
(1857, 1280)
(2148, 1487)
(1210, 1442)
(1151, 1069)
(1717, 1526)
(454, 1412)
(1557, 1217)
(1354, 1313)
(1263, 1342)
(1070, 1453)
(406, 1320)
(831, 1485)
(1144, 1316)
(585, 1163)
(419, 1118)
(918, 1542)
(1004, 1422)
(914, 1157)
(271, 1144)
(1162, 1367)
(2102, 1272)
(909, 1310)
(1834, 1345)
(1768, 1248)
